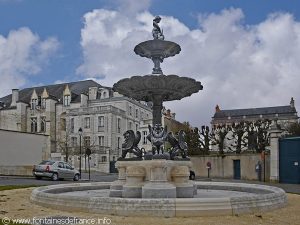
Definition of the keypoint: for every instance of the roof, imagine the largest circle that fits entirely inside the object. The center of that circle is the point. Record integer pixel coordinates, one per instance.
(255, 112)
(55, 91)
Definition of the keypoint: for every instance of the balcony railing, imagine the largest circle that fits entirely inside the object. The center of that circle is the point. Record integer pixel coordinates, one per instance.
(95, 110)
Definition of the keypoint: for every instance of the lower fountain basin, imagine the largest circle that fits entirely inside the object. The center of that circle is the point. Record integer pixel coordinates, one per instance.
(213, 198)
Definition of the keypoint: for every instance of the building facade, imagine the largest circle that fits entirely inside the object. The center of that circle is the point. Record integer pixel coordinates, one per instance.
(284, 115)
(60, 110)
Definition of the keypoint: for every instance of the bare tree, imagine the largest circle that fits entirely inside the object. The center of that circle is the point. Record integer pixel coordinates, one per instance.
(239, 137)
(218, 137)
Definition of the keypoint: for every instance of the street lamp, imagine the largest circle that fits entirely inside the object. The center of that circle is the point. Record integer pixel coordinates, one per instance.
(80, 135)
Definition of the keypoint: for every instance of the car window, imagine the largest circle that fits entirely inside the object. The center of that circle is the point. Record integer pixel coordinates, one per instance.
(47, 163)
(60, 165)
(68, 166)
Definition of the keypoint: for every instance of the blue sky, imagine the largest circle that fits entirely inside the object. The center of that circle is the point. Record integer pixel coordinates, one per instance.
(62, 44)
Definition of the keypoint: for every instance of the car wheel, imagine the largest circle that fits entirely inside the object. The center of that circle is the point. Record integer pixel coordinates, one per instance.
(55, 177)
(76, 177)
(38, 178)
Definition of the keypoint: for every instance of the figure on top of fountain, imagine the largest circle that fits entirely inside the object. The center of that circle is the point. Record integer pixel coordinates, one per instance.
(157, 33)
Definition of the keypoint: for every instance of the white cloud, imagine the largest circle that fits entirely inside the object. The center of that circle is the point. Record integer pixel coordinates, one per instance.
(22, 54)
(239, 65)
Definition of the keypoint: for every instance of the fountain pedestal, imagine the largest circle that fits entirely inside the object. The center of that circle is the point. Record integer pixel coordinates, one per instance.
(153, 179)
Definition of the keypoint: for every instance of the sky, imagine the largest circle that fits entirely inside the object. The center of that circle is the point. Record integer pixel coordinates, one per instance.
(245, 53)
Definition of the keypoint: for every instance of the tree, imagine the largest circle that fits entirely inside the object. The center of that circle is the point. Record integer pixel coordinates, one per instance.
(204, 140)
(218, 137)
(239, 132)
(262, 128)
(193, 141)
(294, 129)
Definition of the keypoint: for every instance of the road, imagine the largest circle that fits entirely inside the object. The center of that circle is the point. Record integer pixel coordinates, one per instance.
(102, 177)
(95, 177)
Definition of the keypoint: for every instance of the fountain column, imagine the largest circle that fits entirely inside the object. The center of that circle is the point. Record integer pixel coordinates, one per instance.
(157, 108)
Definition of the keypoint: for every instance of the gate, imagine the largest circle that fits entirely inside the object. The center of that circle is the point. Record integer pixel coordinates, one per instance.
(112, 167)
(237, 169)
(289, 160)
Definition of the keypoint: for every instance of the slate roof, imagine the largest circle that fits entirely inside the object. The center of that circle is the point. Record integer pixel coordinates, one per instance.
(55, 91)
(255, 112)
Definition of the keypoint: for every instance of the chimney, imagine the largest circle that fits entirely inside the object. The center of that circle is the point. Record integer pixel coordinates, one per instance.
(83, 100)
(93, 91)
(292, 103)
(14, 97)
(218, 108)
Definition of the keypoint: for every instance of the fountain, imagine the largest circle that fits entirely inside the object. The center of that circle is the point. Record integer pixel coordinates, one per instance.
(156, 183)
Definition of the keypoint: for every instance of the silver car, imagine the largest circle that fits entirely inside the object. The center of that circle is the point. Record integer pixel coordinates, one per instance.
(55, 170)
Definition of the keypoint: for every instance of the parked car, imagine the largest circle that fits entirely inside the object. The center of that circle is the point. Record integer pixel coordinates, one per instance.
(192, 175)
(55, 170)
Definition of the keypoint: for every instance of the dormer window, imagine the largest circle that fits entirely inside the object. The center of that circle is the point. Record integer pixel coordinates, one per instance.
(67, 100)
(67, 96)
(43, 103)
(34, 102)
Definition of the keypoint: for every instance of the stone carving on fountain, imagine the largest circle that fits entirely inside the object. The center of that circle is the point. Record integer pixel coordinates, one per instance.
(130, 144)
(178, 146)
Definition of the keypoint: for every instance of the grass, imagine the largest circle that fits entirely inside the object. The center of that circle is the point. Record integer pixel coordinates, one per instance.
(12, 187)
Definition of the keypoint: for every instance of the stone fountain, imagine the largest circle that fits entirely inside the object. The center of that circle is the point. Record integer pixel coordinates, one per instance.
(156, 183)
(161, 173)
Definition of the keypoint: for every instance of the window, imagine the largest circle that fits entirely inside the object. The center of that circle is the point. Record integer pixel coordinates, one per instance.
(33, 123)
(67, 100)
(67, 166)
(144, 137)
(39, 100)
(74, 141)
(86, 141)
(130, 126)
(72, 125)
(62, 124)
(136, 113)
(33, 103)
(87, 122)
(130, 110)
(43, 105)
(119, 125)
(104, 94)
(136, 127)
(103, 159)
(101, 140)
(100, 122)
(43, 124)
(119, 142)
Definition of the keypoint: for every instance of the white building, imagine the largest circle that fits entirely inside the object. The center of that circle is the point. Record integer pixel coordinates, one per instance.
(60, 110)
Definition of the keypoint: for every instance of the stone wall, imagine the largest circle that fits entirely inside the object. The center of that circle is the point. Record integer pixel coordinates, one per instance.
(20, 151)
(222, 166)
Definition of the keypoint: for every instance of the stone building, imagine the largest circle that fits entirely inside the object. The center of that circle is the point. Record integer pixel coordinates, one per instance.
(60, 110)
(283, 114)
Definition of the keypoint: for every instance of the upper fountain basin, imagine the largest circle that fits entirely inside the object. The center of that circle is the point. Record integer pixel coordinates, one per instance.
(157, 48)
(169, 87)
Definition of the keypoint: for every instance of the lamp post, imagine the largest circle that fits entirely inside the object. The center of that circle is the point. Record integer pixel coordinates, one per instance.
(80, 135)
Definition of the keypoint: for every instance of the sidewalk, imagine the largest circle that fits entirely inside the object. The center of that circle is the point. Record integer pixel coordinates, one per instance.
(289, 188)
